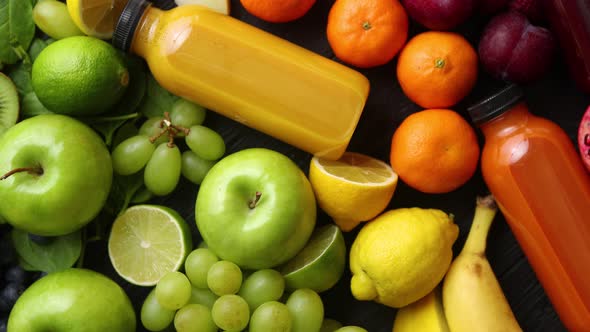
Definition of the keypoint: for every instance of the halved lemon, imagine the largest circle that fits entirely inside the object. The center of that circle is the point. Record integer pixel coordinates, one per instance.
(353, 189)
(148, 241)
(96, 18)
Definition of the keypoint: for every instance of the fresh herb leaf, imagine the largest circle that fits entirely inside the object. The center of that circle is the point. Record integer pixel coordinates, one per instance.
(157, 99)
(16, 28)
(60, 254)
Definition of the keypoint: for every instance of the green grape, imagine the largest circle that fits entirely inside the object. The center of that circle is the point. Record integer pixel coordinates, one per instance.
(330, 325)
(186, 114)
(197, 265)
(153, 316)
(194, 318)
(173, 290)
(351, 328)
(52, 17)
(203, 244)
(203, 296)
(307, 309)
(162, 171)
(231, 313)
(271, 316)
(194, 168)
(224, 277)
(151, 128)
(262, 286)
(126, 131)
(205, 142)
(132, 155)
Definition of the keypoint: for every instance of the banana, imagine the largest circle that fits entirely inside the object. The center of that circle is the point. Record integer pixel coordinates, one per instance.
(424, 315)
(472, 297)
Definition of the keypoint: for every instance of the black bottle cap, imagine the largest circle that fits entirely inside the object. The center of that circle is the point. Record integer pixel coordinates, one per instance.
(127, 23)
(164, 4)
(495, 105)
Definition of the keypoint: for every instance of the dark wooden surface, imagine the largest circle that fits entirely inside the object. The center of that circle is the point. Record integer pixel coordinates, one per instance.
(554, 97)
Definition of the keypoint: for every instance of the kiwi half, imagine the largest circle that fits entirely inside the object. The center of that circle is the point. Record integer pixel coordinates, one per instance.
(8, 103)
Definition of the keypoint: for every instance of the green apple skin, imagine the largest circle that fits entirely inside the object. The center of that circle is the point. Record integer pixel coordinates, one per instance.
(76, 179)
(73, 300)
(272, 232)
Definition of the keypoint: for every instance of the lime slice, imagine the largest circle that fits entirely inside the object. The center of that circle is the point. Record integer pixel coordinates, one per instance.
(320, 264)
(148, 241)
(96, 18)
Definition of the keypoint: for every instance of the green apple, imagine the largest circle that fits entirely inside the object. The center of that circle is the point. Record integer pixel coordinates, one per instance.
(57, 175)
(255, 208)
(75, 300)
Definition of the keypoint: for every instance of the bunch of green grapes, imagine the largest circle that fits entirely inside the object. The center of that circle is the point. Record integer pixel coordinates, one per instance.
(154, 149)
(214, 294)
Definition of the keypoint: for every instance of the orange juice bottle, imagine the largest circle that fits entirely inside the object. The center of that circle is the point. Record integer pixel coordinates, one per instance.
(532, 168)
(247, 74)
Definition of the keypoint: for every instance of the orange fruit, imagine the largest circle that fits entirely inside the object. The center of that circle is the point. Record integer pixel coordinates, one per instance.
(437, 69)
(434, 151)
(367, 33)
(278, 11)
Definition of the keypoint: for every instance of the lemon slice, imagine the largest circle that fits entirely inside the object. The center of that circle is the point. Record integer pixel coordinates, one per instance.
(320, 264)
(148, 241)
(353, 189)
(96, 18)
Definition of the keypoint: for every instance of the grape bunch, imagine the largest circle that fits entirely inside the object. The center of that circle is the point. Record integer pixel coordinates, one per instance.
(154, 149)
(216, 294)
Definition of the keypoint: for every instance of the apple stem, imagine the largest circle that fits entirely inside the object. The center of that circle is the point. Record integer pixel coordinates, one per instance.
(31, 170)
(255, 201)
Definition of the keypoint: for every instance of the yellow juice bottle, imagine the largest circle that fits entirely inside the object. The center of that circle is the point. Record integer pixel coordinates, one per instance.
(247, 74)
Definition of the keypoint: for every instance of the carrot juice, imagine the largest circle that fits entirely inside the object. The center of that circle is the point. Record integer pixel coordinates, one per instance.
(247, 74)
(532, 168)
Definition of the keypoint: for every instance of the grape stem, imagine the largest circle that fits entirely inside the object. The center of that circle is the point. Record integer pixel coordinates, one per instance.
(170, 129)
(31, 170)
(253, 202)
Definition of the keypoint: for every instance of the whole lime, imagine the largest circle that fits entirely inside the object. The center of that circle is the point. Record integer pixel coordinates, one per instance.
(79, 76)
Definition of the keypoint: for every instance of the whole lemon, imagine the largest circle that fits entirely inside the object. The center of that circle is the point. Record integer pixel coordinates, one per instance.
(79, 76)
(402, 255)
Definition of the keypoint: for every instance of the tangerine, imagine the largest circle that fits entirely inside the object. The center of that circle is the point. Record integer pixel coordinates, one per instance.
(367, 33)
(434, 151)
(278, 11)
(437, 69)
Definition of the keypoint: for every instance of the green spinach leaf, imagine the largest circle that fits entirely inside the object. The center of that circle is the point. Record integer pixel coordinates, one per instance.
(16, 29)
(60, 254)
(108, 125)
(122, 191)
(157, 99)
(37, 46)
(30, 104)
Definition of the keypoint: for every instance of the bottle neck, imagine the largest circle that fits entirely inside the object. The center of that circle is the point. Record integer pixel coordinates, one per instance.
(146, 32)
(515, 117)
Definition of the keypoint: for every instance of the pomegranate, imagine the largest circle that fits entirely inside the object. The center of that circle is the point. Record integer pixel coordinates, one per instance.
(584, 138)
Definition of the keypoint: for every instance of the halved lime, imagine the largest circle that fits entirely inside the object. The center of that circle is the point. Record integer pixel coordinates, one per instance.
(320, 264)
(148, 241)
